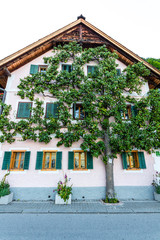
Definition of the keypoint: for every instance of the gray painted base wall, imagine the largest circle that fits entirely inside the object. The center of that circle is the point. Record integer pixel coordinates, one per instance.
(88, 193)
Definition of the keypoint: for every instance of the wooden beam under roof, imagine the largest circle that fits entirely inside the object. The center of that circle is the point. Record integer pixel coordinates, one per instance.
(88, 33)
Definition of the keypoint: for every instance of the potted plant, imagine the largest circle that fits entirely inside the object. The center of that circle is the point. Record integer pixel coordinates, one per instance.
(64, 192)
(156, 184)
(5, 194)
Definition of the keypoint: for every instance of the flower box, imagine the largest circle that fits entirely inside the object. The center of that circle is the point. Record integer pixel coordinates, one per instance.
(6, 199)
(157, 196)
(59, 200)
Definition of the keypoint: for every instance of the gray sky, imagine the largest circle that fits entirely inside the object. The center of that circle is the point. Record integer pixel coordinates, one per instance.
(133, 23)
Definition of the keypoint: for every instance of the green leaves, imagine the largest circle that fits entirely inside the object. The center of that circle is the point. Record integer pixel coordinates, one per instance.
(104, 96)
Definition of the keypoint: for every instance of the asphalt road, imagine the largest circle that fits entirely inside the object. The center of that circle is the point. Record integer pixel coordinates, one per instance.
(79, 226)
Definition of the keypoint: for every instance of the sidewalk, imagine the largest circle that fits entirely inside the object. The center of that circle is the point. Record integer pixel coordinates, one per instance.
(81, 207)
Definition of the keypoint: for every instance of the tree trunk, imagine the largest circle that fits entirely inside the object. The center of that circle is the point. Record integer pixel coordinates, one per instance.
(109, 169)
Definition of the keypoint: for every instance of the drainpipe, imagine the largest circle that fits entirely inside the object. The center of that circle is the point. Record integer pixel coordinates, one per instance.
(3, 99)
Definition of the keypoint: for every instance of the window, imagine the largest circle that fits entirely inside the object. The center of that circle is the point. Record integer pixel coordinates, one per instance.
(49, 160)
(78, 112)
(80, 160)
(118, 71)
(133, 160)
(24, 110)
(52, 110)
(127, 114)
(90, 69)
(67, 67)
(37, 68)
(16, 160)
(42, 69)
(131, 111)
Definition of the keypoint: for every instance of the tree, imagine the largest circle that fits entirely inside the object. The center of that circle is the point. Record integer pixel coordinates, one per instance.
(104, 96)
(155, 62)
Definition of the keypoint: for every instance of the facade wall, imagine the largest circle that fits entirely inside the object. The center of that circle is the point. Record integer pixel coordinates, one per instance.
(87, 184)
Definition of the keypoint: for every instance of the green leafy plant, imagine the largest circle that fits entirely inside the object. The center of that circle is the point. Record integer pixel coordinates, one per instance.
(63, 190)
(104, 95)
(111, 200)
(4, 186)
(156, 182)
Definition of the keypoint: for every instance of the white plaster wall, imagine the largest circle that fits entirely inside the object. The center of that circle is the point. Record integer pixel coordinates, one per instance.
(157, 161)
(38, 178)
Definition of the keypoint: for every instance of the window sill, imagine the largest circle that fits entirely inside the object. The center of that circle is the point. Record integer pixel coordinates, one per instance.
(46, 170)
(135, 170)
(80, 171)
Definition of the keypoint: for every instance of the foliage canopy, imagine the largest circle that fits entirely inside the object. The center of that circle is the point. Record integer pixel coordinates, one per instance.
(103, 95)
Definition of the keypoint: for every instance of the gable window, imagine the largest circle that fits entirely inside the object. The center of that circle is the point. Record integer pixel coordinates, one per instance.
(49, 160)
(16, 160)
(52, 110)
(37, 68)
(133, 160)
(24, 110)
(80, 160)
(67, 67)
(90, 70)
(78, 112)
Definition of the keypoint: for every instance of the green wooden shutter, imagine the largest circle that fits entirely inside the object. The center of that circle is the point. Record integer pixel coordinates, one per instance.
(66, 67)
(34, 69)
(70, 160)
(24, 110)
(52, 110)
(133, 111)
(39, 160)
(55, 111)
(6, 160)
(89, 161)
(118, 72)
(26, 160)
(59, 160)
(91, 69)
(74, 110)
(124, 159)
(141, 159)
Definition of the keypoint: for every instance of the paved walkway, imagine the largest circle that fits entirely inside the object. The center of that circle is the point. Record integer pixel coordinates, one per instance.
(81, 207)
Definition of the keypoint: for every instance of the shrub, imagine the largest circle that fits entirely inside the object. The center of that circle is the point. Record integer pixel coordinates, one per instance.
(4, 186)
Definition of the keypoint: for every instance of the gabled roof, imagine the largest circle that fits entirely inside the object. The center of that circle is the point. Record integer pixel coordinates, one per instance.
(80, 31)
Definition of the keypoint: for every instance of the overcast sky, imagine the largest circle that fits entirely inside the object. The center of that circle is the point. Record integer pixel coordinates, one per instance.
(133, 23)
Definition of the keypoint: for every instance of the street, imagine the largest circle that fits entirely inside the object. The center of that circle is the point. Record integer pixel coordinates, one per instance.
(80, 226)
